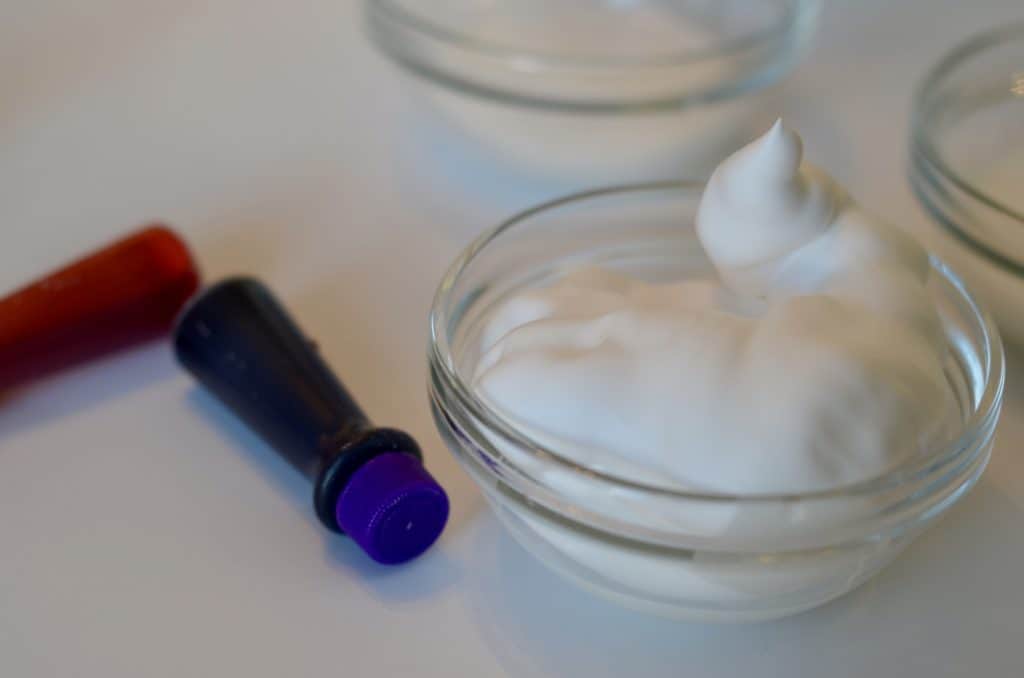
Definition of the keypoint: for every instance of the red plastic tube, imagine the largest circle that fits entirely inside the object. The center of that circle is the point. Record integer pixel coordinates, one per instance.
(126, 293)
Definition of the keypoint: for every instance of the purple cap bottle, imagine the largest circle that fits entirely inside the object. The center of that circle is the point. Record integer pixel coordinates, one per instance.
(369, 483)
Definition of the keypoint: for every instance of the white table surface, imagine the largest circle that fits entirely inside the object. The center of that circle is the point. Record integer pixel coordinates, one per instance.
(276, 140)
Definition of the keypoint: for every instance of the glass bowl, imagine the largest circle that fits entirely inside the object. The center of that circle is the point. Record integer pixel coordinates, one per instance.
(683, 554)
(967, 167)
(584, 87)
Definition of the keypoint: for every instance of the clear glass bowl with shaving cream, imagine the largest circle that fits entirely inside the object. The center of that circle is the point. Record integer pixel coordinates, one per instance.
(655, 548)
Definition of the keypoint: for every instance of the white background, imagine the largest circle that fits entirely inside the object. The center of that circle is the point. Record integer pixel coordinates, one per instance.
(144, 533)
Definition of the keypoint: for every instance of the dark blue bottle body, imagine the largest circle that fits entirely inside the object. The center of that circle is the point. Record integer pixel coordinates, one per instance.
(245, 348)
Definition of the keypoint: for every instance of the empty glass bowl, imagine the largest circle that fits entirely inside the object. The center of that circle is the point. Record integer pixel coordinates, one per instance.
(684, 554)
(591, 87)
(967, 152)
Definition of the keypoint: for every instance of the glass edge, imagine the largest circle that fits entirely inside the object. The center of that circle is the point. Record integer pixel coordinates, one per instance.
(800, 30)
(921, 138)
(799, 14)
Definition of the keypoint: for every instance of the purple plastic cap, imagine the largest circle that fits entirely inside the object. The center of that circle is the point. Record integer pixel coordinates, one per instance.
(392, 508)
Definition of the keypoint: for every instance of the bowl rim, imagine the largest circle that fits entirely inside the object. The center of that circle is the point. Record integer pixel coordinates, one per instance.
(798, 18)
(921, 132)
(980, 423)
(466, 40)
